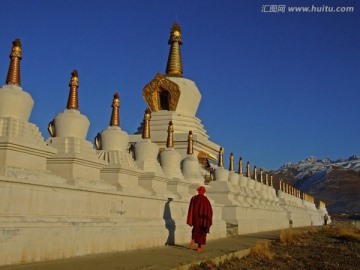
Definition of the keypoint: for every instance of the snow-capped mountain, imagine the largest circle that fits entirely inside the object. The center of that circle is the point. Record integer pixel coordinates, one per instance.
(336, 182)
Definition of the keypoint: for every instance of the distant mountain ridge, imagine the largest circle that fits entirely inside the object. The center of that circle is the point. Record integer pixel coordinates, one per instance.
(337, 183)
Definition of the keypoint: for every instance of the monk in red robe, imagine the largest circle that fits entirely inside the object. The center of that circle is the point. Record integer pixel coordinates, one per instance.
(200, 218)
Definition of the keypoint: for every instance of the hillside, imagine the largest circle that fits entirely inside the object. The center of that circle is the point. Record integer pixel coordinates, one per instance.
(337, 183)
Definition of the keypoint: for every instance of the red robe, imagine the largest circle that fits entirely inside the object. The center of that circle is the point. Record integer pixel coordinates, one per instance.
(200, 217)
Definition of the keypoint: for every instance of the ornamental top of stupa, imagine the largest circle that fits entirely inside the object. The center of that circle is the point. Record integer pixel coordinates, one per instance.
(172, 97)
(171, 91)
(174, 65)
(13, 76)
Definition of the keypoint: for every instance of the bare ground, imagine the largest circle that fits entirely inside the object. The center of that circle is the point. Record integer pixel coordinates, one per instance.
(325, 248)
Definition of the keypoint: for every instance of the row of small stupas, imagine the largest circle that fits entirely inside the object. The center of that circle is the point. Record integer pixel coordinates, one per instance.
(174, 68)
(74, 197)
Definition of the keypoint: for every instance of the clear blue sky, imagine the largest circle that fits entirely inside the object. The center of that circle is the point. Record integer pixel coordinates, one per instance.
(276, 87)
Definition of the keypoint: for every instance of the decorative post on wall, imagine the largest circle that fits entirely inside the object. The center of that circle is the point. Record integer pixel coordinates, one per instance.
(231, 163)
(240, 171)
(146, 124)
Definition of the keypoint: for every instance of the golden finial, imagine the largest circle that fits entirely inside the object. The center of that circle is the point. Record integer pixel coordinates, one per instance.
(13, 76)
(231, 165)
(261, 176)
(174, 65)
(221, 156)
(146, 124)
(73, 94)
(115, 118)
(190, 148)
(248, 173)
(240, 171)
(170, 137)
(255, 173)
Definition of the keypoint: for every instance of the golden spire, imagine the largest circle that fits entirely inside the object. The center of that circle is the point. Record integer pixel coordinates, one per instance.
(240, 166)
(115, 118)
(174, 65)
(13, 76)
(146, 124)
(261, 176)
(73, 94)
(221, 157)
(266, 178)
(240, 170)
(190, 148)
(248, 173)
(231, 164)
(255, 173)
(170, 137)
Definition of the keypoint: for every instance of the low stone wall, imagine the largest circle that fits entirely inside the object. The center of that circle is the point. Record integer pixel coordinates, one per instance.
(46, 221)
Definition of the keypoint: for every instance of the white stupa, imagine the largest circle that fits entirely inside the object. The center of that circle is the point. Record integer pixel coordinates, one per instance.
(171, 97)
(23, 151)
(76, 159)
(190, 166)
(112, 147)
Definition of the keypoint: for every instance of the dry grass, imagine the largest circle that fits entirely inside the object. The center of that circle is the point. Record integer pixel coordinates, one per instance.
(261, 250)
(289, 236)
(343, 232)
(204, 265)
(266, 253)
